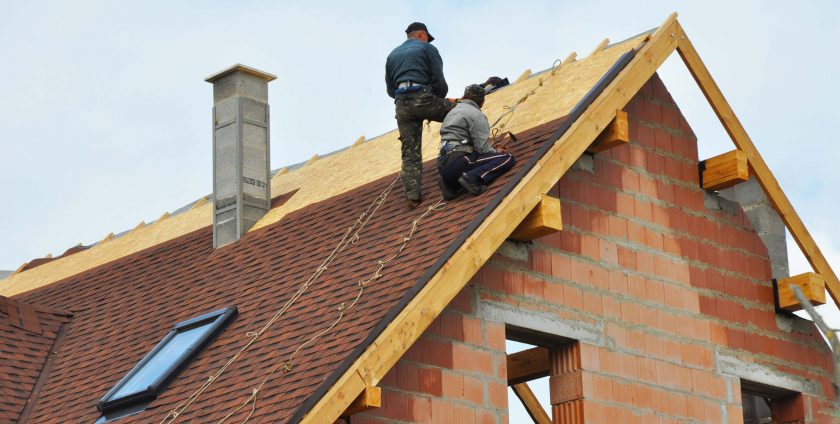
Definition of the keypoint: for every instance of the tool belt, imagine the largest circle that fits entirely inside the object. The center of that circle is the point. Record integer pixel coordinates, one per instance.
(456, 146)
(409, 87)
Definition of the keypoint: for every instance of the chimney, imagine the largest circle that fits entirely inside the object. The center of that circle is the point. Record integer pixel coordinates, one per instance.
(241, 185)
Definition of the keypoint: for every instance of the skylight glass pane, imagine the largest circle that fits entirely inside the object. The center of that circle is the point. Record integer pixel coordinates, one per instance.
(158, 364)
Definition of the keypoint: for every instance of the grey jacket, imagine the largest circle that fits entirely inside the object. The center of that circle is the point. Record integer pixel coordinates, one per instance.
(415, 61)
(466, 124)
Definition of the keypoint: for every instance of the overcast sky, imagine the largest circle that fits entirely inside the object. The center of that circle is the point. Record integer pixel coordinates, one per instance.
(105, 114)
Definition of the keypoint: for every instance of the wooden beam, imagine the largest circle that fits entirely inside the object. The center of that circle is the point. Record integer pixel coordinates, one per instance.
(527, 365)
(811, 284)
(531, 403)
(371, 397)
(381, 355)
(544, 219)
(617, 133)
(757, 165)
(724, 171)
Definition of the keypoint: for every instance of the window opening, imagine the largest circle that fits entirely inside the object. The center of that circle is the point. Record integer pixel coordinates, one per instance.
(764, 404)
(150, 376)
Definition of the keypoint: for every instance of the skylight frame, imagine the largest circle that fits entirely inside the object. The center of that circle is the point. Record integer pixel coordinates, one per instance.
(217, 321)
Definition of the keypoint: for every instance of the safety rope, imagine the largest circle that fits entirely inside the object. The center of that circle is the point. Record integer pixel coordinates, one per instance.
(351, 236)
(511, 109)
(343, 309)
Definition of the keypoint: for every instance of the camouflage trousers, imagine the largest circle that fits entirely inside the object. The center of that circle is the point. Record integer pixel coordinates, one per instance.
(412, 109)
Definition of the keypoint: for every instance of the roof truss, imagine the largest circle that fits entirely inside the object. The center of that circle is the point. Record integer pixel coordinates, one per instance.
(381, 355)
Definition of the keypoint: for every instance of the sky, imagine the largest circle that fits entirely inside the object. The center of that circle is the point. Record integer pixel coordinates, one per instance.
(106, 117)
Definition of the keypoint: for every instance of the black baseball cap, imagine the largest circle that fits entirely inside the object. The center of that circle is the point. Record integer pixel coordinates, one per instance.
(417, 26)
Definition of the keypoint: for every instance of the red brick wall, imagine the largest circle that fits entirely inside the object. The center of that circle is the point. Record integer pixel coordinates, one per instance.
(670, 284)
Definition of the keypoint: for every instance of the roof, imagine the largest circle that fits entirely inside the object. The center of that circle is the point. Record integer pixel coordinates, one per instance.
(29, 334)
(126, 292)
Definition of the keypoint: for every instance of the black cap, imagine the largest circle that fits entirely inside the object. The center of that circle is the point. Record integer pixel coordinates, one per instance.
(475, 93)
(418, 26)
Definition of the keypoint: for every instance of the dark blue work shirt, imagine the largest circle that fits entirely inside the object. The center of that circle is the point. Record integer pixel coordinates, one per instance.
(415, 61)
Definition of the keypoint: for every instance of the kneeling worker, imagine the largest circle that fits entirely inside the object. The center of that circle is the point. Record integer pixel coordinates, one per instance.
(467, 161)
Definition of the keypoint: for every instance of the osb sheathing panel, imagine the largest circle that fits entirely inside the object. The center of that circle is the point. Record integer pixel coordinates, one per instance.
(340, 172)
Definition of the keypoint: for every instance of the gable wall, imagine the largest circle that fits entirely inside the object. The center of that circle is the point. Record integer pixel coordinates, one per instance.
(666, 287)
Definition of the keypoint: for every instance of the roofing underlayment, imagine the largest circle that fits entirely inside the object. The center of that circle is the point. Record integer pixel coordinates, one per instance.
(125, 293)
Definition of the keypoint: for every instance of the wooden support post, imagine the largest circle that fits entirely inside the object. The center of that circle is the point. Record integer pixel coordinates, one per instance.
(544, 219)
(527, 365)
(531, 403)
(811, 284)
(724, 171)
(371, 397)
(615, 134)
(758, 167)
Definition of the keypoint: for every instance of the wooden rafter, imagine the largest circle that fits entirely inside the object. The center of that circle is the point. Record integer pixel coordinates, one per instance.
(531, 403)
(758, 167)
(381, 355)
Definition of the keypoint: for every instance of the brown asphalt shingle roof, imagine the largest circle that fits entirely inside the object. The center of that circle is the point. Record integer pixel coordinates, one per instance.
(23, 351)
(122, 309)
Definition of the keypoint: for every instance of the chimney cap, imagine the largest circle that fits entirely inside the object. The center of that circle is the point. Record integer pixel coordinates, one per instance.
(241, 68)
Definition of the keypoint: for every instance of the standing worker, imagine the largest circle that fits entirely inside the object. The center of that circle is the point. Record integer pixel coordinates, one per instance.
(467, 161)
(414, 79)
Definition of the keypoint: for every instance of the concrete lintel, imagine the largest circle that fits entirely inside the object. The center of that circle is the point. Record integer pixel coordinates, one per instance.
(734, 366)
(541, 321)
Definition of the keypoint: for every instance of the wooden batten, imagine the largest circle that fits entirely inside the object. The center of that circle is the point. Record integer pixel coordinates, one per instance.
(523, 76)
(617, 133)
(811, 284)
(570, 58)
(527, 365)
(371, 397)
(544, 219)
(724, 171)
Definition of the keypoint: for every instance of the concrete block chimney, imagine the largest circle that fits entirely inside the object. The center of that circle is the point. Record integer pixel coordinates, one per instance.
(241, 185)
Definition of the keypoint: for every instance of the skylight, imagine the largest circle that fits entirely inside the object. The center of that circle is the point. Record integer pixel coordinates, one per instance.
(150, 375)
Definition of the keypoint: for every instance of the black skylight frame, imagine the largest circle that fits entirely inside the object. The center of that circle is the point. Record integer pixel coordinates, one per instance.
(217, 321)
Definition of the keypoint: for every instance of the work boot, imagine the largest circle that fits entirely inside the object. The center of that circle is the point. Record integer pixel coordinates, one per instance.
(412, 203)
(449, 192)
(472, 184)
